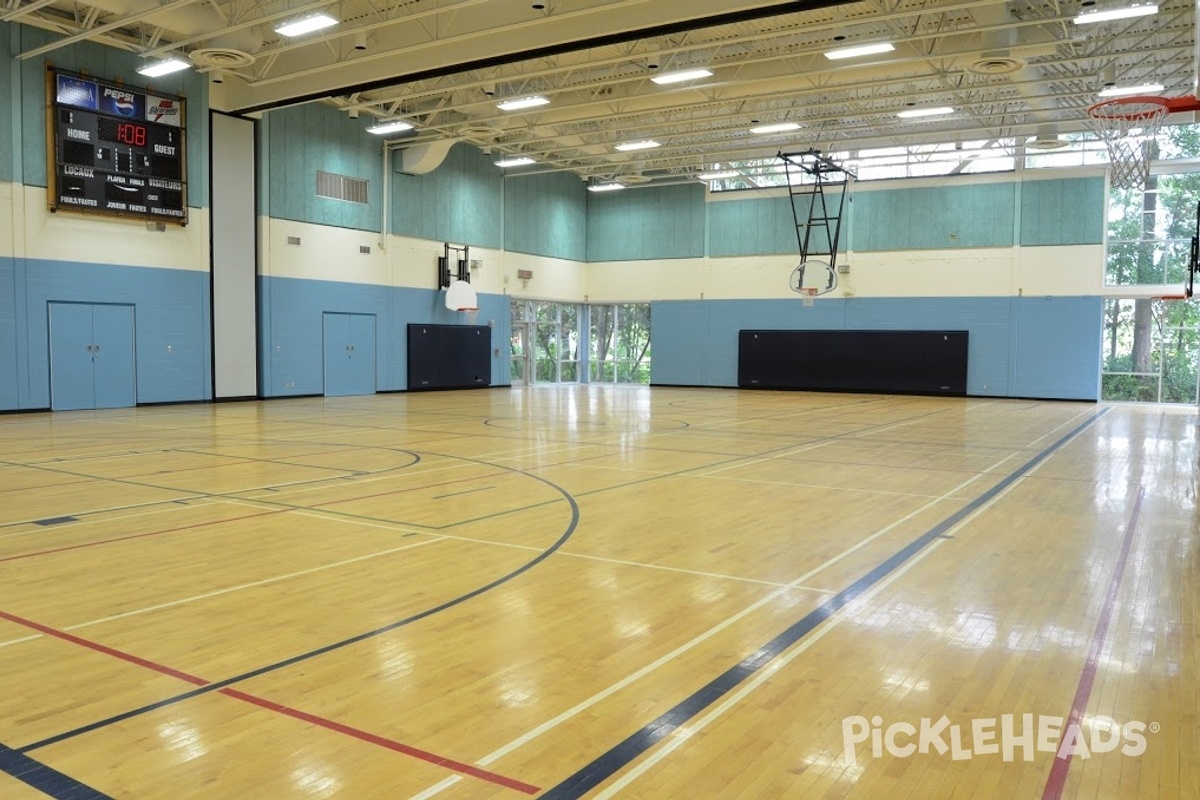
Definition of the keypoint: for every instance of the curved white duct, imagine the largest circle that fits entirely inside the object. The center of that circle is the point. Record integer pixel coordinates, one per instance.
(423, 158)
(188, 22)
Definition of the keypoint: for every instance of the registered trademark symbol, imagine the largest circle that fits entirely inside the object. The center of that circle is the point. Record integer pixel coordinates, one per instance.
(1155, 727)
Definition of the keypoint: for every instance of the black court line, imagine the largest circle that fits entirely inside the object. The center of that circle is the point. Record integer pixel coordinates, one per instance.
(459, 494)
(620, 756)
(46, 780)
(212, 687)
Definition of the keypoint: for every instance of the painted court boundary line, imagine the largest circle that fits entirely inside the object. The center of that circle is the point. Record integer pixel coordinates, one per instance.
(279, 708)
(46, 780)
(617, 758)
(1057, 779)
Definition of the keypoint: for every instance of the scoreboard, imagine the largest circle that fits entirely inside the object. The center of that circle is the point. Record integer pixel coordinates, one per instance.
(116, 150)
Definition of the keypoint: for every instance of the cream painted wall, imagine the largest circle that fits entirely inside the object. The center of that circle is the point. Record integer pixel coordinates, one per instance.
(29, 230)
(332, 254)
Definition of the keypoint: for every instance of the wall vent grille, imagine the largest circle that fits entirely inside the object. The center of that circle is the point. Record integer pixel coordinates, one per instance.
(341, 187)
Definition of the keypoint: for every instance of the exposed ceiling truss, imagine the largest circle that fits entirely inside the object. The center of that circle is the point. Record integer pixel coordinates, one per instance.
(1010, 69)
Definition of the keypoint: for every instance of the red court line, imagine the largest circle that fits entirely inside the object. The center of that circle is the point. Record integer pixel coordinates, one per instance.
(401, 491)
(1057, 778)
(270, 705)
(140, 535)
(424, 755)
(108, 651)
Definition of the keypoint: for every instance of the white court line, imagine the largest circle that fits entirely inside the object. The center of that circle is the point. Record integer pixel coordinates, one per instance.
(682, 734)
(822, 486)
(93, 511)
(689, 645)
(229, 589)
(199, 503)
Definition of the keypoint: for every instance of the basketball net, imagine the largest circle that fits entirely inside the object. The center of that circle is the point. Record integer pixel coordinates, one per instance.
(472, 314)
(808, 296)
(1128, 126)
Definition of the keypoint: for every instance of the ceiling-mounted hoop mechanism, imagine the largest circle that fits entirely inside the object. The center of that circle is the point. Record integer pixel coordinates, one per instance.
(462, 265)
(817, 214)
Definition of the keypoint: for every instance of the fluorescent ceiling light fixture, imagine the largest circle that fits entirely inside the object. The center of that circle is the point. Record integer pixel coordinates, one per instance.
(157, 69)
(1109, 14)
(390, 126)
(523, 102)
(299, 27)
(778, 127)
(682, 75)
(605, 187)
(517, 161)
(860, 50)
(1122, 91)
(913, 113)
(718, 176)
(646, 145)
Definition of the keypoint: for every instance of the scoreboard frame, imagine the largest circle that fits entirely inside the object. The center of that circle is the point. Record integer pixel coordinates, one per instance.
(110, 153)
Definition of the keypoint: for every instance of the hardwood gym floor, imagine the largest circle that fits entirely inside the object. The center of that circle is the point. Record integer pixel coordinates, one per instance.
(599, 591)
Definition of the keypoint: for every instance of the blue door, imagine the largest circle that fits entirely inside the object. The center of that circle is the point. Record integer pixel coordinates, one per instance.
(91, 356)
(112, 331)
(349, 354)
(72, 385)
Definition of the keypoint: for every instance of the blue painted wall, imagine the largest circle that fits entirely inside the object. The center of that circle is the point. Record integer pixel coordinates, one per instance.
(666, 222)
(1019, 347)
(1064, 211)
(546, 215)
(110, 64)
(966, 215)
(301, 140)
(292, 343)
(462, 201)
(171, 325)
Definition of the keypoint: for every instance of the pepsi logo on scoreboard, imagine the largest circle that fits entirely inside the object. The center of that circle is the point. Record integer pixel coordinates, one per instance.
(163, 110)
(122, 103)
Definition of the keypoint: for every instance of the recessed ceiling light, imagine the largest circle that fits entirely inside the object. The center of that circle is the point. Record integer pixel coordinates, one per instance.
(517, 161)
(1109, 14)
(913, 113)
(645, 145)
(165, 67)
(682, 75)
(1123, 91)
(778, 127)
(390, 126)
(523, 102)
(299, 27)
(860, 50)
(605, 187)
(718, 176)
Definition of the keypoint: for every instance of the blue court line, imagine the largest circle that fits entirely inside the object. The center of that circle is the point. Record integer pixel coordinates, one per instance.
(616, 759)
(212, 687)
(45, 779)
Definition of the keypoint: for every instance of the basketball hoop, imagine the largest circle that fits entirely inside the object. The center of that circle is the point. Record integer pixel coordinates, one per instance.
(1128, 126)
(472, 314)
(808, 296)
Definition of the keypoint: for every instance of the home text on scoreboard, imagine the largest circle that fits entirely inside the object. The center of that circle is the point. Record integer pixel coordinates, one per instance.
(115, 150)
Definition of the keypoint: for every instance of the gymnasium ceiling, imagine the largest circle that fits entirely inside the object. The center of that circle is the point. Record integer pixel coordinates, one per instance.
(1020, 70)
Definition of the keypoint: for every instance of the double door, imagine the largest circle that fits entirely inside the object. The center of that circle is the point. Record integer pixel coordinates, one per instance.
(349, 354)
(91, 356)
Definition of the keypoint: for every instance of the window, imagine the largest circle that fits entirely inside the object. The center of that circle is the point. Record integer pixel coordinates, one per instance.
(619, 343)
(1151, 351)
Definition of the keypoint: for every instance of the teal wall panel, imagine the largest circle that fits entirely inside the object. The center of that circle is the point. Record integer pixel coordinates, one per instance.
(462, 201)
(752, 226)
(1062, 211)
(10, 119)
(300, 140)
(666, 222)
(110, 64)
(546, 215)
(940, 217)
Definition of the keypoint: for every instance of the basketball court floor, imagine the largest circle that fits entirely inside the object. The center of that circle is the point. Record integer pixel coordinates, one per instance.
(589, 591)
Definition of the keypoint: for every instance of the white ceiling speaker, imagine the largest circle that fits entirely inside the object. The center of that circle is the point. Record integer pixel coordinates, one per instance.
(1046, 138)
(220, 58)
(995, 64)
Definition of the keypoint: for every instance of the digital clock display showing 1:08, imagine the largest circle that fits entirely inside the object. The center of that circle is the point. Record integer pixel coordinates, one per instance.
(128, 133)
